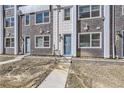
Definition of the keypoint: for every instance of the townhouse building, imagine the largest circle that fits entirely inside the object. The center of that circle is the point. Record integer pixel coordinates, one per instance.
(26, 29)
(67, 30)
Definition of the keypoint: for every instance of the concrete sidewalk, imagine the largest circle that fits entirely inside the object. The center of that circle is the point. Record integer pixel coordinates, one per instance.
(56, 79)
(98, 59)
(18, 58)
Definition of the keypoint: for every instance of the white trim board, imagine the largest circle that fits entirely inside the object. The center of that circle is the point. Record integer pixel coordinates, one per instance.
(107, 31)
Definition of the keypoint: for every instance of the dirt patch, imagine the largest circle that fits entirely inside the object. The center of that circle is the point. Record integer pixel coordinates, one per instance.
(29, 72)
(6, 57)
(95, 74)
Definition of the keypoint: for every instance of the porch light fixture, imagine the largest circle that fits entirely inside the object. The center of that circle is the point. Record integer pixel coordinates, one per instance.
(86, 28)
(41, 31)
(48, 31)
(60, 37)
(118, 33)
(98, 28)
(8, 34)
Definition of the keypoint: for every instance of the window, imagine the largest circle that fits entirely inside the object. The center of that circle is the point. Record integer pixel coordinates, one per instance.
(46, 16)
(12, 21)
(39, 18)
(42, 42)
(84, 11)
(42, 17)
(95, 40)
(10, 42)
(85, 40)
(89, 11)
(67, 14)
(9, 21)
(95, 10)
(8, 6)
(27, 20)
(90, 40)
(46, 41)
(39, 41)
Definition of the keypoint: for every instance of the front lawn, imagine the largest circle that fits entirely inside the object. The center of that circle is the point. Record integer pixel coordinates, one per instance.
(29, 72)
(88, 74)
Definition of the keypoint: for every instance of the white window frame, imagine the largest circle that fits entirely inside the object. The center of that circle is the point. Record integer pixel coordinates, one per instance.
(10, 22)
(10, 42)
(122, 9)
(64, 13)
(43, 41)
(90, 40)
(43, 17)
(90, 13)
(9, 7)
(25, 19)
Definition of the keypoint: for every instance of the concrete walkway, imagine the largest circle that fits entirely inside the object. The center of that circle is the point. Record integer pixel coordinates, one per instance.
(98, 59)
(56, 79)
(18, 58)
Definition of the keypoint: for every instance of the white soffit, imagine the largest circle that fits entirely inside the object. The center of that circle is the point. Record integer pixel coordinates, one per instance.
(33, 8)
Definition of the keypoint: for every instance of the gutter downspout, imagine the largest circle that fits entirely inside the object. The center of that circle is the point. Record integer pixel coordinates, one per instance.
(113, 31)
(15, 30)
(58, 29)
(1, 30)
(58, 10)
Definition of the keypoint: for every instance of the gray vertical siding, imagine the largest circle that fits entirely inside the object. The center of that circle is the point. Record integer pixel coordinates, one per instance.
(119, 26)
(8, 13)
(32, 30)
(92, 23)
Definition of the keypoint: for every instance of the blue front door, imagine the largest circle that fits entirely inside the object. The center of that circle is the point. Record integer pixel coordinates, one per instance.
(67, 44)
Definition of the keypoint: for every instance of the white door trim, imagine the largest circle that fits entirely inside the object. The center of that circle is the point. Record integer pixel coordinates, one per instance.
(25, 44)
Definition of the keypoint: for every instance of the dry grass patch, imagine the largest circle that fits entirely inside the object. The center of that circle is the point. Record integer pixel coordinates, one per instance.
(29, 72)
(95, 74)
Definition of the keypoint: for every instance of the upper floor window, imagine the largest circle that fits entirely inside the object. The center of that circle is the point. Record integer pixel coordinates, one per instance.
(67, 14)
(42, 17)
(8, 6)
(27, 20)
(90, 40)
(9, 21)
(89, 11)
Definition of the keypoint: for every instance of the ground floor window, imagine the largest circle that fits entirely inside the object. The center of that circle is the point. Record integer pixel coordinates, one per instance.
(42, 41)
(9, 42)
(90, 40)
